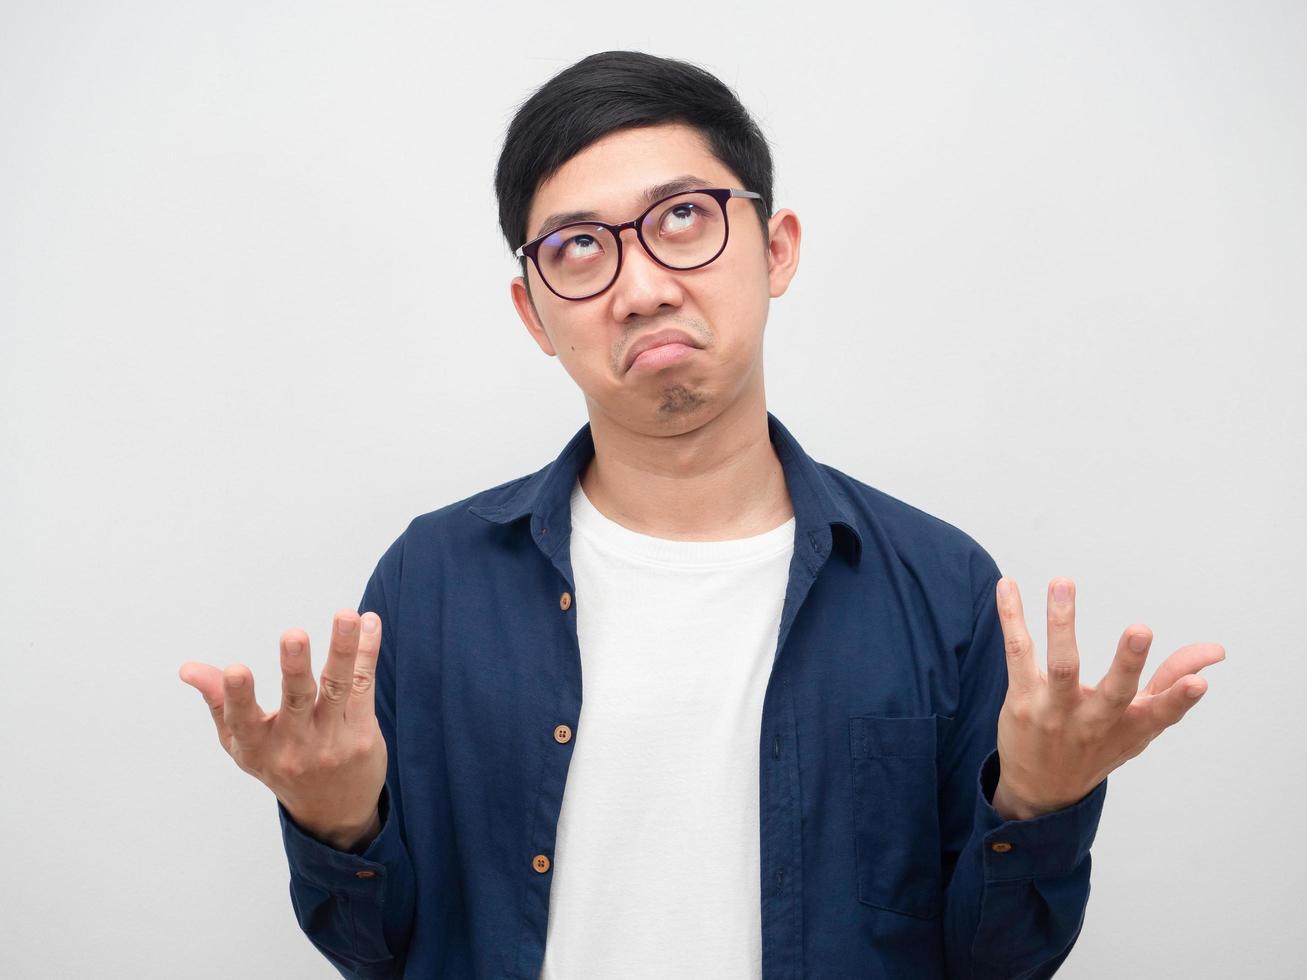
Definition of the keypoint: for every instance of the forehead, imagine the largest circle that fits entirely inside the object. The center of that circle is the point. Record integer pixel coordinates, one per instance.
(610, 175)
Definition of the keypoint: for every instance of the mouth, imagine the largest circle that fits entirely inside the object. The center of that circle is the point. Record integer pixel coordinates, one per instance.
(659, 349)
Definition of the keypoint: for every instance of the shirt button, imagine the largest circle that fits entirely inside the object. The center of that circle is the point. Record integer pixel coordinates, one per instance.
(540, 863)
(365, 874)
(562, 734)
(1002, 847)
(565, 601)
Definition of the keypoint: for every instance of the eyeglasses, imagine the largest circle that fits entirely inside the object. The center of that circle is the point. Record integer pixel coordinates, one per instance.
(685, 231)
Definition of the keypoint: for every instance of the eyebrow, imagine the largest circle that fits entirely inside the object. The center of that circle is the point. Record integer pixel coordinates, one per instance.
(651, 194)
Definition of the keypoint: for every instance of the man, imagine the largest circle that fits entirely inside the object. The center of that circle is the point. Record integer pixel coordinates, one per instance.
(814, 740)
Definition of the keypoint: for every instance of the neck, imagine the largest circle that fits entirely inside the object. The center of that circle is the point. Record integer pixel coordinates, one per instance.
(719, 481)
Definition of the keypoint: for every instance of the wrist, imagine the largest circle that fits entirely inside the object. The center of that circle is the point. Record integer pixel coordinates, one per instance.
(357, 841)
(349, 837)
(1011, 807)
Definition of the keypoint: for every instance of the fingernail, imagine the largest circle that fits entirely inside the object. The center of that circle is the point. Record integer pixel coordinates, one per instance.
(1062, 592)
(345, 627)
(1004, 587)
(294, 647)
(236, 680)
(1195, 692)
(1138, 642)
(370, 624)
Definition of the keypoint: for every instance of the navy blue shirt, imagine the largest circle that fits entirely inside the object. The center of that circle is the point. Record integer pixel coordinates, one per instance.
(881, 855)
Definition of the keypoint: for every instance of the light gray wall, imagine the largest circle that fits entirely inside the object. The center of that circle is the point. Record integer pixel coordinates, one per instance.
(1051, 291)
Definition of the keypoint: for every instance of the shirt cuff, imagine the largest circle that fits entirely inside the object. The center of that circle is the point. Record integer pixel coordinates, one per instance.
(1048, 846)
(361, 875)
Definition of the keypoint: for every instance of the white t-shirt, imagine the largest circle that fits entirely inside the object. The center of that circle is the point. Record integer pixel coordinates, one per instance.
(656, 863)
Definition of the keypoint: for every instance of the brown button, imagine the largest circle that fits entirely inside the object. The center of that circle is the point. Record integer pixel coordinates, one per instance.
(562, 734)
(565, 601)
(1001, 846)
(365, 874)
(540, 863)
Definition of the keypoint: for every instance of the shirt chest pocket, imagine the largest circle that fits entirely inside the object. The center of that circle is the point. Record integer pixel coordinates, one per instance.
(896, 813)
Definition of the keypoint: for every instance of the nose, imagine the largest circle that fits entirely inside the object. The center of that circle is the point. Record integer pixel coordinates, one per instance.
(643, 286)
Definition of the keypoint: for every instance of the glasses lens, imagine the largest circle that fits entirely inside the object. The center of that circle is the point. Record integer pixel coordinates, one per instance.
(578, 260)
(682, 232)
(686, 231)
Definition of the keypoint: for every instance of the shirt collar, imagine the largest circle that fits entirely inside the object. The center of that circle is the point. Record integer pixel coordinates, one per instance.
(821, 508)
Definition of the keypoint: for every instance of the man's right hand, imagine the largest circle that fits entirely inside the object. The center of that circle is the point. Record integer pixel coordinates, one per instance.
(322, 752)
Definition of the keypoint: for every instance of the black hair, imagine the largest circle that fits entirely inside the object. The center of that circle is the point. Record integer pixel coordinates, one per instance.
(615, 90)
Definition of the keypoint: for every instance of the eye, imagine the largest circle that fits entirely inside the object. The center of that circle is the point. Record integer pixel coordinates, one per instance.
(579, 247)
(681, 216)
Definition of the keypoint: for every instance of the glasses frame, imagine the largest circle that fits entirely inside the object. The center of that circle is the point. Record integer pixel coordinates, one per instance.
(720, 194)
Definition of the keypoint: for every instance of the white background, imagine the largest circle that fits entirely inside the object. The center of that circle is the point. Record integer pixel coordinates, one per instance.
(254, 317)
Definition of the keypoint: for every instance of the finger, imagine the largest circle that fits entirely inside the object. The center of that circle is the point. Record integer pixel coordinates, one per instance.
(362, 697)
(1165, 709)
(1121, 682)
(1022, 671)
(207, 679)
(1189, 659)
(240, 711)
(338, 674)
(298, 689)
(1063, 656)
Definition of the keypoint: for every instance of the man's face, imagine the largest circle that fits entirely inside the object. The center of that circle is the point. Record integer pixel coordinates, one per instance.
(721, 306)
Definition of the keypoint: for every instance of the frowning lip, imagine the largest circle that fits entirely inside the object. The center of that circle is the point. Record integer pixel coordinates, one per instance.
(656, 339)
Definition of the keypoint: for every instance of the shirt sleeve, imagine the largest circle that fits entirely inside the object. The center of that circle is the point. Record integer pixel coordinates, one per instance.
(1016, 889)
(357, 909)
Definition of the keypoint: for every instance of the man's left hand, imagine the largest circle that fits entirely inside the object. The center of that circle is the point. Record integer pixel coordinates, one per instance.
(1057, 738)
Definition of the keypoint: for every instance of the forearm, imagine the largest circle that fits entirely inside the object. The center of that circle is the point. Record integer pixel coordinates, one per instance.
(1017, 898)
(357, 907)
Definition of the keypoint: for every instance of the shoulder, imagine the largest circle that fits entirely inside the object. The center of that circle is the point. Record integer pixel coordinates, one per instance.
(939, 555)
(463, 520)
(489, 499)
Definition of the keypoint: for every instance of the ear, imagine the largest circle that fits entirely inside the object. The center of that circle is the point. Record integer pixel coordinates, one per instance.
(784, 232)
(526, 309)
